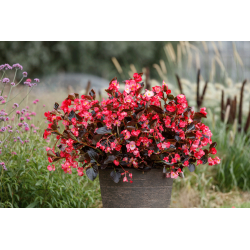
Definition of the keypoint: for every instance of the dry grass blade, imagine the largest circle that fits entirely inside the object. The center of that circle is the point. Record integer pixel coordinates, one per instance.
(198, 89)
(147, 79)
(248, 121)
(215, 49)
(204, 92)
(88, 88)
(240, 105)
(222, 106)
(217, 59)
(197, 60)
(159, 71)
(183, 47)
(227, 113)
(70, 89)
(179, 83)
(117, 65)
(236, 55)
(204, 44)
(163, 67)
(100, 95)
(179, 55)
(133, 69)
(171, 52)
(233, 110)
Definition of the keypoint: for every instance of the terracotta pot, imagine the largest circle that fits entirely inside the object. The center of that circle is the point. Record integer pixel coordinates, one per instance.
(148, 190)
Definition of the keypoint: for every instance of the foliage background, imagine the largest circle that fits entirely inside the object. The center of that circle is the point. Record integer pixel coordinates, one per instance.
(92, 57)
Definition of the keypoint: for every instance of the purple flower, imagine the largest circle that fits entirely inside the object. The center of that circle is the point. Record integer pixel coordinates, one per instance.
(12, 84)
(1, 98)
(6, 80)
(5, 66)
(27, 160)
(16, 105)
(3, 129)
(18, 66)
(36, 80)
(25, 74)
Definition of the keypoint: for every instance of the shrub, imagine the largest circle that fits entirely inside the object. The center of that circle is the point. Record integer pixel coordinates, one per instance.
(129, 129)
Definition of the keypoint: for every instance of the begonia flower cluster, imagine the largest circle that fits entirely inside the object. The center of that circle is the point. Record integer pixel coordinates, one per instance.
(134, 128)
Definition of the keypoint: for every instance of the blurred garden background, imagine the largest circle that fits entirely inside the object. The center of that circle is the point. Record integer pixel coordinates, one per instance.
(217, 70)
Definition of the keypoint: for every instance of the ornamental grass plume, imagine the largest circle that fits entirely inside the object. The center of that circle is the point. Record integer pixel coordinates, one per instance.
(131, 129)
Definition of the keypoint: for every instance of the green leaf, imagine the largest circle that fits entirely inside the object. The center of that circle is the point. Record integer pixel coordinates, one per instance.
(103, 130)
(91, 173)
(33, 204)
(170, 97)
(115, 176)
(10, 190)
(156, 109)
(39, 182)
(92, 154)
(110, 159)
(191, 167)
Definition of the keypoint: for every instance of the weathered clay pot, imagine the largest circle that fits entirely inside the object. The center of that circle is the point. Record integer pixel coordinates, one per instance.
(148, 190)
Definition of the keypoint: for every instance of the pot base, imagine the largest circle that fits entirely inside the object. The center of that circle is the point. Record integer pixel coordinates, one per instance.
(148, 190)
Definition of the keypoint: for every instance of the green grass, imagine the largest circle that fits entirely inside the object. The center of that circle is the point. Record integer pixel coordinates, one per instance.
(30, 184)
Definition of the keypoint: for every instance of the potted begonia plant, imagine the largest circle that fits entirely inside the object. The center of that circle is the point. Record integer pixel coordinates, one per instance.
(137, 142)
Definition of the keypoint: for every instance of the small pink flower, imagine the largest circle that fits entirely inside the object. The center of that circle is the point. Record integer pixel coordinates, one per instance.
(50, 168)
(128, 99)
(149, 93)
(173, 175)
(210, 161)
(125, 179)
(135, 133)
(125, 159)
(116, 162)
(213, 151)
(165, 145)
(166, 159)
(132, 145)
(127, 135)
